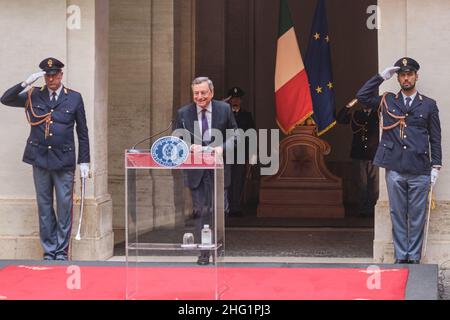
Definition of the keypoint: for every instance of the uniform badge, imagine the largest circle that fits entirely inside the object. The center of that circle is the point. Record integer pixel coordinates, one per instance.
(50, 63)
(405, 62)
(169, 151)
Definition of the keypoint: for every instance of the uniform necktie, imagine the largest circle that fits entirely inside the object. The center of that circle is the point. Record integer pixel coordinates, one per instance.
(53, 99)
(408, 103)
(205, 133)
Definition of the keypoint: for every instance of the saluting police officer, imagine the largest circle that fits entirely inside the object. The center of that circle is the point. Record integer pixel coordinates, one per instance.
(52, 111)
(365, 127)
(410, 150)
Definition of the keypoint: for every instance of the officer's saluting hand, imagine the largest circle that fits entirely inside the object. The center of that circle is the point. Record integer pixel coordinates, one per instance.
(387, 73)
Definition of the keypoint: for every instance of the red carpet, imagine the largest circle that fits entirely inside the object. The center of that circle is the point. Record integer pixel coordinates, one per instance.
(168, 283)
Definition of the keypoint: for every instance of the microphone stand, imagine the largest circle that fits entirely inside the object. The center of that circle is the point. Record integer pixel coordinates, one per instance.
(133, 149)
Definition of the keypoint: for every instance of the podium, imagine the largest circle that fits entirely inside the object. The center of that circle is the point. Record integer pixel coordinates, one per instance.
(159, 217)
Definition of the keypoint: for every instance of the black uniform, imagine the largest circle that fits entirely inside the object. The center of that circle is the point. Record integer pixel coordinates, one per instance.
(365, 128)
(244, 122)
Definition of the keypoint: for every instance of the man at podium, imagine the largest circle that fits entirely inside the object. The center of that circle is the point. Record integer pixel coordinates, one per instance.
(204, 113)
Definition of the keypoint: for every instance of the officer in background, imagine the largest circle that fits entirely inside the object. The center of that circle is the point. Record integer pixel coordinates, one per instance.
(365, 127)
(52, 111)
(410, 150)
(239, 172)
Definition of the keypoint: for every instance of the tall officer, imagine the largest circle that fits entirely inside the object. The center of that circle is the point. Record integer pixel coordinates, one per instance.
(364, 123)
(410, 150)
(52, 111)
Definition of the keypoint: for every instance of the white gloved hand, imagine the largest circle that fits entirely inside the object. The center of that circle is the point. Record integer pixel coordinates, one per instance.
(434, 175)
(31, 79)
(84, 170)
(387, 73)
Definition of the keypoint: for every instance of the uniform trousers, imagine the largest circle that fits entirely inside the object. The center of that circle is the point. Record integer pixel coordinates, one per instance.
(368, 185)
(408, 195)
(54, 228)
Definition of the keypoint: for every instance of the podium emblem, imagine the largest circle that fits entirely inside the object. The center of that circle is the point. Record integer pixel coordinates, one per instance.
(169, 151)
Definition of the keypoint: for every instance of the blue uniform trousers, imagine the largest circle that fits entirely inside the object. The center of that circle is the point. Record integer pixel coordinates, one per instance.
(408, 195)
(55, 229)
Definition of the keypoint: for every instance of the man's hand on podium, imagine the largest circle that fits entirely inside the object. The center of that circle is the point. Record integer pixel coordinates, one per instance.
(218, 150)
(196, 148)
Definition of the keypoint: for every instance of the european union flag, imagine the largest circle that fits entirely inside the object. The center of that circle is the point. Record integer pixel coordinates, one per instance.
(318, 68)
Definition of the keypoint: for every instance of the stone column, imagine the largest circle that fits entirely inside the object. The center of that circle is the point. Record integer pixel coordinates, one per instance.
(129, 94)
(87, 56)
(151, 68)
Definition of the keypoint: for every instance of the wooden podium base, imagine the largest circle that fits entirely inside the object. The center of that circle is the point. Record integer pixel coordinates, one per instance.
(303, 186)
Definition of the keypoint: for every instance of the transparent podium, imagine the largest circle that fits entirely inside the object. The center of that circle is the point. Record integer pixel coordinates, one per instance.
(163, 236)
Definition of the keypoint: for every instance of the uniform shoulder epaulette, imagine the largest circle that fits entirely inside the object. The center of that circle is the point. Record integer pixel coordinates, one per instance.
(67, 90)
(32, 89)
(425, 98)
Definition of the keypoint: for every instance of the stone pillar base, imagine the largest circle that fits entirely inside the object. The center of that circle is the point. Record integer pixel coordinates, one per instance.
(19, 228)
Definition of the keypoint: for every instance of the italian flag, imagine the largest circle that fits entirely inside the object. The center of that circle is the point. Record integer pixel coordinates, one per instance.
(292, 94)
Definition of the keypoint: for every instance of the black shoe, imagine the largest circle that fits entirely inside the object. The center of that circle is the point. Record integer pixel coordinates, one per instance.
(414, 261)
(401, 261)
(61, 258)
(48, 258)
(203, 260)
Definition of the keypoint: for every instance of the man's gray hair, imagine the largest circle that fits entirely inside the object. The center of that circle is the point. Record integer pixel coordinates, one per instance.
(200, 80)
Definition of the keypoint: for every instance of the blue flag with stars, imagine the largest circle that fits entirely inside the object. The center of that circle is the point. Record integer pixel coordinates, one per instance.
(318, 68)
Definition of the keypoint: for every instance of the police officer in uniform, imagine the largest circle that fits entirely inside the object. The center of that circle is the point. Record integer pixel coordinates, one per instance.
(410, 150)
(244, 121)
(52, 111)
(365, 127)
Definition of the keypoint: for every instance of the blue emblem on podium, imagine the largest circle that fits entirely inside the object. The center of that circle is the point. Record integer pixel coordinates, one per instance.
(169, 151)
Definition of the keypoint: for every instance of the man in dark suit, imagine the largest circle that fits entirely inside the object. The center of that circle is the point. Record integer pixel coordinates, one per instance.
(410, 150)
(244, 121)
(52, 111)
(201, 116)
(365, 127)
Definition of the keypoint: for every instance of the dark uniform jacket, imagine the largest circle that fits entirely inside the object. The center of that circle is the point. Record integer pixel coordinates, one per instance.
(222, 119)
(57, 150)
(365, 128)
(419, 147)
(244, 121)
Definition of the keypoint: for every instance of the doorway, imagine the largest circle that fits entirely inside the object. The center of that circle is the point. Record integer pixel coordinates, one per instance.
(236, 46)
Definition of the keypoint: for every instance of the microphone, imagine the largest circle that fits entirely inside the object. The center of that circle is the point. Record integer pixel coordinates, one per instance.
(133, 149)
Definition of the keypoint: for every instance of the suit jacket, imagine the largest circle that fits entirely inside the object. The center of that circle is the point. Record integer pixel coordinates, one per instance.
(57, 150)
(420, 146)
(222, 119)
(365, 129)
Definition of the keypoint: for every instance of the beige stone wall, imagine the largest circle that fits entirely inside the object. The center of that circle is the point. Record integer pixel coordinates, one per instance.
(151, 58)
(31, 31)
(420, 30)
(129, 95)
